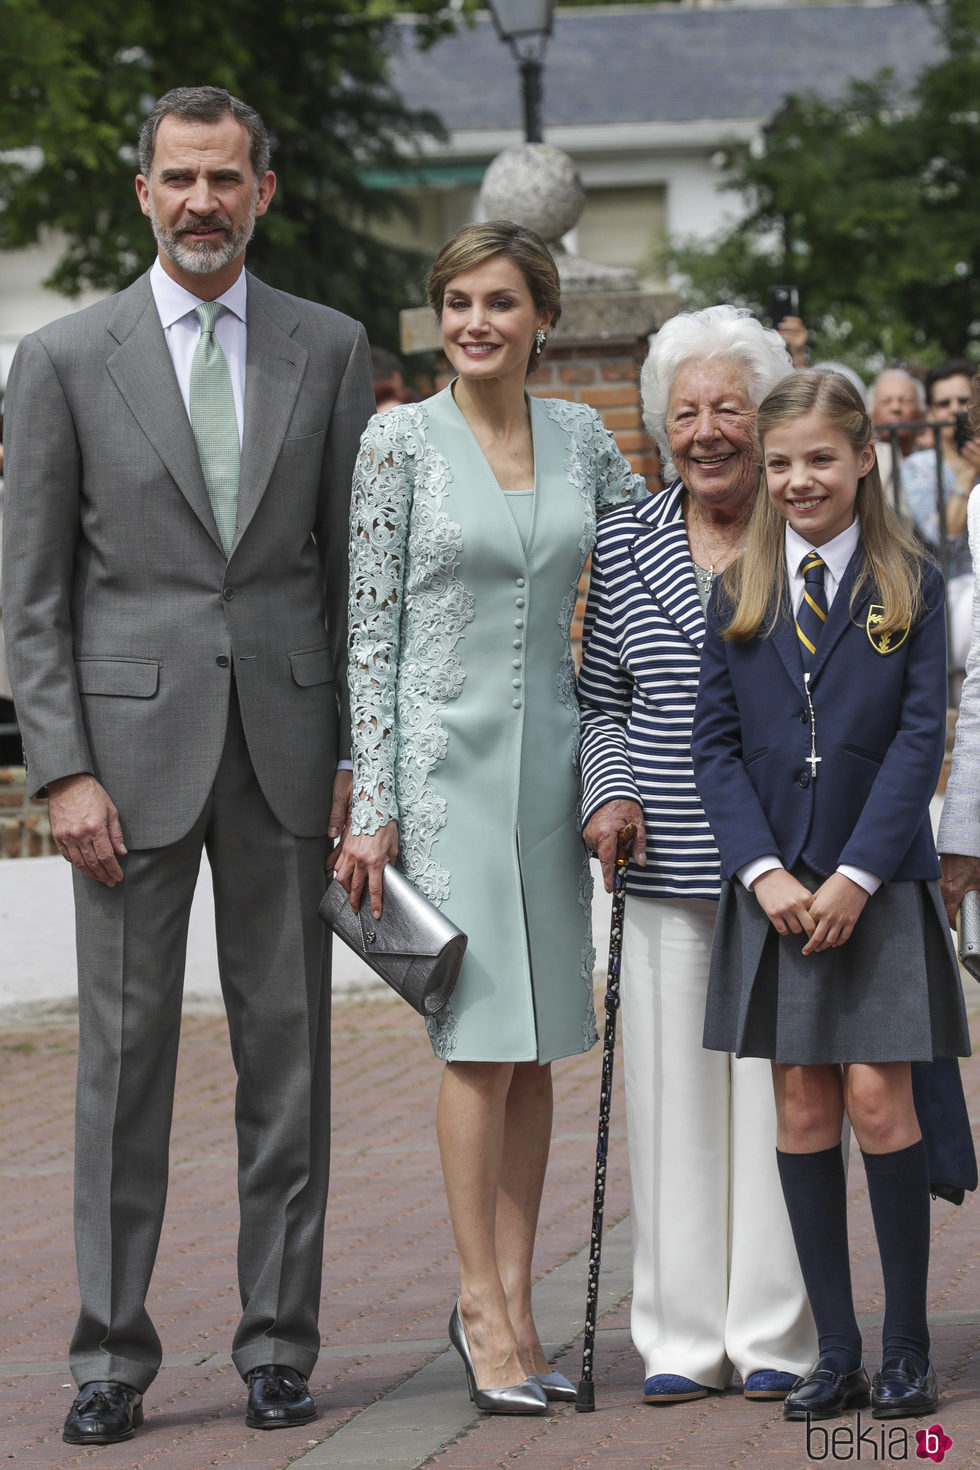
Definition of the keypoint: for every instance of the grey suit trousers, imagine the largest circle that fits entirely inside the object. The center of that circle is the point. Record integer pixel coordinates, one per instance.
(274, 968)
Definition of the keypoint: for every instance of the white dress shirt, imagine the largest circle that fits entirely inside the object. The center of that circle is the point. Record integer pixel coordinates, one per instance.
(835, 556)
(182, 330)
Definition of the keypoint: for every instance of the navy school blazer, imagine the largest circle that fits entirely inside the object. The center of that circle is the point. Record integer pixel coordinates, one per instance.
(880, 735)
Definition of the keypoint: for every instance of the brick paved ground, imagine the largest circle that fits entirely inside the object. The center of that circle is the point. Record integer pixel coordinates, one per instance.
(389, 1284)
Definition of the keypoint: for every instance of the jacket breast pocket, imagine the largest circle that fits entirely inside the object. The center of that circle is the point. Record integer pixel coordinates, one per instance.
(132, 678)
(311, 666)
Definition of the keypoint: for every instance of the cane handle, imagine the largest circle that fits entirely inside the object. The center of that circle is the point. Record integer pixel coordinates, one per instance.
(624, 844)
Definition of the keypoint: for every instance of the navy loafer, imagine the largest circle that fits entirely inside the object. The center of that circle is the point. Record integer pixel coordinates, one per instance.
(900, 1391)
(824, 1393)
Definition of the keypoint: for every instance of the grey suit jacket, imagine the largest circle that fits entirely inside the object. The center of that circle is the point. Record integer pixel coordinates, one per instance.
(123, 617)
(959, 828)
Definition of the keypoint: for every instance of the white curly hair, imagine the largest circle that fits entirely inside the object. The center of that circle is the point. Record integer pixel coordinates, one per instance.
(729, 332)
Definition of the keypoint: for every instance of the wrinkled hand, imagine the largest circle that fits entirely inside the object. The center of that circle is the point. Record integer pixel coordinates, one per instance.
(85, 827)
(785, 901)
(959, 875)
(362, 860)
(343, 788)
(836, 907)
(602, 829)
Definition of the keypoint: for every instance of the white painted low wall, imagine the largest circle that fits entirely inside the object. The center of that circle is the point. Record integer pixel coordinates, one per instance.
(37, 945)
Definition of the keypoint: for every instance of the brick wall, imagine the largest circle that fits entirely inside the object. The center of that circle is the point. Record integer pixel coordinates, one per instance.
(24, 828)
(607, 377)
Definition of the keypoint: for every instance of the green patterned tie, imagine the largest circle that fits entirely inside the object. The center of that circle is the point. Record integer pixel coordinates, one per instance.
(214, 423)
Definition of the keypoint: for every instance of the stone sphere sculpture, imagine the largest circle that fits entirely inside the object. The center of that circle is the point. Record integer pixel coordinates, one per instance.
(537, 186)
(534, 185)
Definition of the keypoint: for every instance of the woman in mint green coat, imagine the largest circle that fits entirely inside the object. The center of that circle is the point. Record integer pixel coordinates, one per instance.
(473, 517)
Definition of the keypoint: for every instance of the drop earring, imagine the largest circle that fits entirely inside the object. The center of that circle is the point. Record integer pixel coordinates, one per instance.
(540, 338)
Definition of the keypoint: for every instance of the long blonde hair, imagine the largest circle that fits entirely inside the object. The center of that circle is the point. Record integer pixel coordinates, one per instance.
(756, 583)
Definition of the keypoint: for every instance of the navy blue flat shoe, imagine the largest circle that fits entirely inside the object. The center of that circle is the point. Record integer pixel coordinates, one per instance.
(825, 1394)
(900, 1391)
(768, 1383)
(672, 1388)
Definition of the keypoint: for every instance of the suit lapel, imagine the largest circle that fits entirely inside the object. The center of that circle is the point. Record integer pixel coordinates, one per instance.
(662, 560)
(274, 367)
(139, 364)
(786, 642)
(839, 616)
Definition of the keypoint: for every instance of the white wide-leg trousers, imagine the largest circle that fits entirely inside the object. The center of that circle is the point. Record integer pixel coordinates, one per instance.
(716, 1282)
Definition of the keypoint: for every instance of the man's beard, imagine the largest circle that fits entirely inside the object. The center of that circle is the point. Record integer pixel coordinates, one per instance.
(204, 257)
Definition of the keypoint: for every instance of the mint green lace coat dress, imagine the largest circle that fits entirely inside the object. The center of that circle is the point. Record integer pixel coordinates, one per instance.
(463, 706)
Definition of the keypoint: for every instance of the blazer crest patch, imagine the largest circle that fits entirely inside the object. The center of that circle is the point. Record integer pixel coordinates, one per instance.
(883, 642)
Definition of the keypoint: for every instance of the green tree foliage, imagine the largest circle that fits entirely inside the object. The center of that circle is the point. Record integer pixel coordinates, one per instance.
(76, 82)
(868, 205)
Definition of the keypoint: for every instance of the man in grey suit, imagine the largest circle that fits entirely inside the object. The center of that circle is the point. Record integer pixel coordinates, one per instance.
(958, 839)
(179, 461)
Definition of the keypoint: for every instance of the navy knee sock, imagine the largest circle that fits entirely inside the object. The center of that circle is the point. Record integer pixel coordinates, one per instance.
(815, 1190)
(898, 1188)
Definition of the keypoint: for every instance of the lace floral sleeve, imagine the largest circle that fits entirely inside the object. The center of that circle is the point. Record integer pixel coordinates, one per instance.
(616, 483)
(381, 504)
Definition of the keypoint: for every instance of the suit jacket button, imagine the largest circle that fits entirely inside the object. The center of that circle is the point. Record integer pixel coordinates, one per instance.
(804, 778)
(222, 660)
(227, 593)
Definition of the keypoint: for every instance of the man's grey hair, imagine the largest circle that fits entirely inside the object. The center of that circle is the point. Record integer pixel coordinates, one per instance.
(918, 387)
(729, 332)
(206, 105)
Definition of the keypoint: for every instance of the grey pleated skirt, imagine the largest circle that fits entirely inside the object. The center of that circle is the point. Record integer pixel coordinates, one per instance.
(892, 993)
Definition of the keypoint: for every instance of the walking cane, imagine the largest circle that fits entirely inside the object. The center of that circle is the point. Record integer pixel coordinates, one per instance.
(585, 1401)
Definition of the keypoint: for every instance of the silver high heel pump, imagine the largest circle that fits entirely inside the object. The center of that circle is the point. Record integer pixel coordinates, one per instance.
(557, 1388)
(523, 1398)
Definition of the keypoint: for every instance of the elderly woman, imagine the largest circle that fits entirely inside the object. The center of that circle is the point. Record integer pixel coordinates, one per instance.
(473, 516)
(716, 1283)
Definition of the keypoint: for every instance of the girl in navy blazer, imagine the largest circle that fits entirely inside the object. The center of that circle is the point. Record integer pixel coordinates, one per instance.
(818, 739)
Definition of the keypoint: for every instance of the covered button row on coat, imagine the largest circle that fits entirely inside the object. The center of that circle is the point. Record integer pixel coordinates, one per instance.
(518, 623)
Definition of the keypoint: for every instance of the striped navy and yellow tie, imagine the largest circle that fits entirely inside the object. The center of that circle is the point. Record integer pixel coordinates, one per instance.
(813, 609)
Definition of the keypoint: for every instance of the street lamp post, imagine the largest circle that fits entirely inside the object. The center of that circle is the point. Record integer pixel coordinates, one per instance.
(526, 25)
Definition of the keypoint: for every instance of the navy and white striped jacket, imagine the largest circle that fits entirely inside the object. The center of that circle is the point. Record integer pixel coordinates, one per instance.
(641, 655)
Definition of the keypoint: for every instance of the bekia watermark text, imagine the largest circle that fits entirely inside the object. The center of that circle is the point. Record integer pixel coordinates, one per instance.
(872, 1442)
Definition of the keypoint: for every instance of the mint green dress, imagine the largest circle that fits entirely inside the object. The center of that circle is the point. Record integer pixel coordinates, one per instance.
(463, 706)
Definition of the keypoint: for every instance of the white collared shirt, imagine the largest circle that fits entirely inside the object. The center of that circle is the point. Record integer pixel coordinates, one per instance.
(835, 556)
(183, 332)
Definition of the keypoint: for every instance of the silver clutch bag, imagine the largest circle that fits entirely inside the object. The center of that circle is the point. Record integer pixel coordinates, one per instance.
(413, 946)
(970, 932)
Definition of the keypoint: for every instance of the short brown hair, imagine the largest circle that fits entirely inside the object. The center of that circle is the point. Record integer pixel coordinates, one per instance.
(205, 104)
(474, 244)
